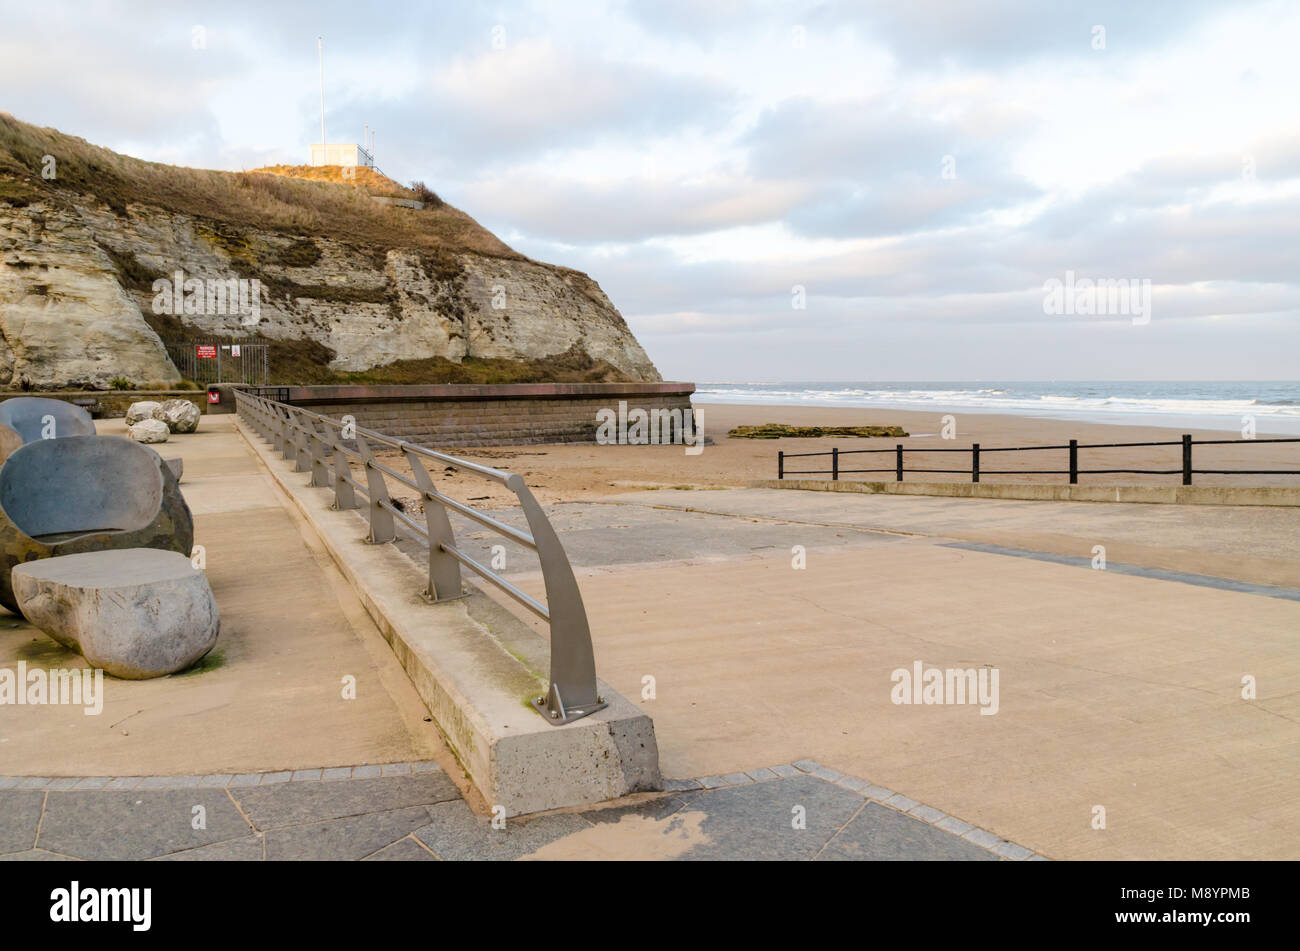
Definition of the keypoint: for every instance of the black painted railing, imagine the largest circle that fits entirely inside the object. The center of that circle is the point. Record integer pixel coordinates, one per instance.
(975, 452)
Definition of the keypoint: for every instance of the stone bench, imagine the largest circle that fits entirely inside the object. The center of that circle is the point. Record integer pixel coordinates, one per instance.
(135, 612)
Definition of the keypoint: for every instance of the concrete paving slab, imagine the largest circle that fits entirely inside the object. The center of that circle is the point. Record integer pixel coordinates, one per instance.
(244, 849)
(110, 825)
(20, 814)
(881, 834)
(343, 839)
(456, 834)
(300, 803)
(403, 850)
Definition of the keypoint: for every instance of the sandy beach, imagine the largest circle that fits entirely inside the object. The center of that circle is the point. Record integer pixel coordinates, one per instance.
(566, 472)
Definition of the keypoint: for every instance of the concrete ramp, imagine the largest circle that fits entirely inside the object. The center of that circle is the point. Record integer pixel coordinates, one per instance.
(477, 667)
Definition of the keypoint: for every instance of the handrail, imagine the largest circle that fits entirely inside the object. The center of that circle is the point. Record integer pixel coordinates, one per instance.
(1073, 447)
(317, 444)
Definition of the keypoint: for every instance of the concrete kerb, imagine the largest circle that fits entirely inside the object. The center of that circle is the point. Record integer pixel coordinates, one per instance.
(1167, 494)
(476, 666)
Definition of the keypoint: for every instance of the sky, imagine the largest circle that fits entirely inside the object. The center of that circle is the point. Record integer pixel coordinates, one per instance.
(806, 191)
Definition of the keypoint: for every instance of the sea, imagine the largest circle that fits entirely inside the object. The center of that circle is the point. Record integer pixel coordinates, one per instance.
(1275, 406)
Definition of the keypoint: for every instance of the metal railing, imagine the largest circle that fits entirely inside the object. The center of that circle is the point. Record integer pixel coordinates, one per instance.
(1072, 447)
(320, 445)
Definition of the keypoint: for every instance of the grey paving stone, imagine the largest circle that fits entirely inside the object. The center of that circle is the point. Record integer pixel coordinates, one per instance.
(755, 822)
(806, 765)
(712, 782)
(136, 824)
(124, 782)
(36, 855)
(343, 839)
(365, 772)
(288, 804)
(33, 782)
(737, 779)
(153, 782)
(761, 775)
(852, 783)
(94, 782)
(954, 825)
(219, 780)
(335, 773)
(396, 769)
(281, 776)
(306, 775)
(185, 782)
(659, 808)
(64, 782)
(8, 782)
(880, 834)
(983, 838)
(785, 771)
(428, 766)
(1038, 858)
(927, 813)
(878, 792)
(901, 802)
(678, 785)
(826, 774)
(245, 849)
(1017, 853)
(246, 779)
(20, 814)
(403, 850)
(455, 833)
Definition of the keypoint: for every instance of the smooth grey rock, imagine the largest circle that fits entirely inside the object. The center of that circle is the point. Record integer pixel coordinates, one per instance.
(181, 416)
(30, 418)
(143, 409)
(136, 613)
(149, 430)
(87, 493)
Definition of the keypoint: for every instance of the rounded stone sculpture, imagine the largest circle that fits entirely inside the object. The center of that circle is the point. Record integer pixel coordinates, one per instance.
(87, 493)
(136, 614)
(181, 416)
(144, 409)
(25, 419)
(149, 430)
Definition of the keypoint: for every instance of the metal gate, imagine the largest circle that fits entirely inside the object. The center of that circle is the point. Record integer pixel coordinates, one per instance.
(221, 361)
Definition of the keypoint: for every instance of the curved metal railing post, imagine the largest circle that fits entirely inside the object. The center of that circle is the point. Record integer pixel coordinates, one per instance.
(381, 519)
(573, 692)
(444, 570)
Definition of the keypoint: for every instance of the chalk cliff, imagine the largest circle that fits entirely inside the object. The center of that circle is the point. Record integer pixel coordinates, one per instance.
(344, 284)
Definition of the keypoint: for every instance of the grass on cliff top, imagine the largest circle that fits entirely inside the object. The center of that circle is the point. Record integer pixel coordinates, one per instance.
(781, 430)
(281, 198)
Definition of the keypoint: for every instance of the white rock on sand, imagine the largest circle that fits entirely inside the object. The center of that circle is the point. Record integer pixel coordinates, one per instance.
(149, 430)
(180, 416)
(144, 409)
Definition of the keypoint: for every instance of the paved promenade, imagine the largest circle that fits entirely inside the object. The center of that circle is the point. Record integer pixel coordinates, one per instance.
(757, 627)
(413, 812)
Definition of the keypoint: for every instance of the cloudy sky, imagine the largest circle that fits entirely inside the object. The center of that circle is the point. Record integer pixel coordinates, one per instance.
(914, 171)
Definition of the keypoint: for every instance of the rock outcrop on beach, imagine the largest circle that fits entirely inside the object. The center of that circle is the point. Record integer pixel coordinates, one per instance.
(341, 285)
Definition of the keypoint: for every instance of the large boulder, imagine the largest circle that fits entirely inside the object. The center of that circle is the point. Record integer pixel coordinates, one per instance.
(149, 430)
(87, 493)
(143, 409)
(36, 417)
(181, 416)
(136, 613)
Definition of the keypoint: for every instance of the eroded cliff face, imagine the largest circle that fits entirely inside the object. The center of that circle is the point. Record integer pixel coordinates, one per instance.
(78, 304)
